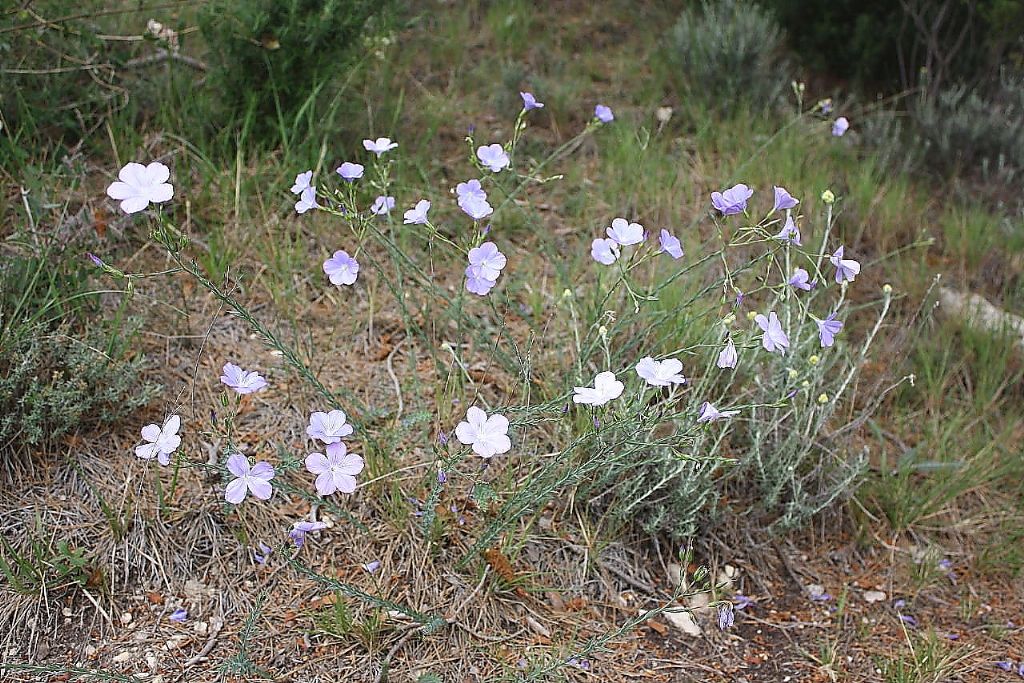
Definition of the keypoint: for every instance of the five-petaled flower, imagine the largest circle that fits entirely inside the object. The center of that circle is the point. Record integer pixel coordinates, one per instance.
(625, 233)
(254, 479)
(709, 413)
(417, 215)
(138, 185)
(774, 338)
(732, 201)
(846, 269)
(801, 279)
(661, 373)
(670, 244)
(488, 259)
(488, 435)
(530, 102)
(603, 114)
(160, 441)
(336, 471)
(783, 199)
(242, 381)
(727, 357)
(302, 181)
(476, 282)
(493, 157)
(307, 200)
(790, 233)
(341, 268)
(350, 172)
(606, 388)
(828, 329)
(382, 205)
(379, 146)
(840, 127)
(604, 250)
(329, 427)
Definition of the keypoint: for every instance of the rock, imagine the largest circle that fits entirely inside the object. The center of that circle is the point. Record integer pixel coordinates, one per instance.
(979, 312)
(874, 596)
(683, 620)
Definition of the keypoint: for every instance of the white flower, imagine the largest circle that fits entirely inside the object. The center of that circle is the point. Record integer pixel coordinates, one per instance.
(728, 357)
(606, 388)
(379, 146)
(626, 233)
(709, 413)
(487, 435)
(418, 214)
(139, 185)
(328, 427)
(493, 157)
(660, 373)
(162, 441)
(302, 182)
(604, 251)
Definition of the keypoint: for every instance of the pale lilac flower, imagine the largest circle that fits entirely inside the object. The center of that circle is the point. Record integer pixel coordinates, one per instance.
(475, 208)
(846, 269)
(341, 268)
(783, 199)
(908, 620)
(488, 260)
(625, 233)
(336, 471)
(801, 279)
(530, 102)
(493, 157)
(161, 441)
(774, 339)
(603, 114)
(179, 615)
(828, 329)
(372, 566)
(379, 146)
(300, 529)
(476, 282)
(470, 188)
(604, 251)
(382, 205)
(606, 388)
(728, 357)
(350, 171)
(329, 427)
(262, 553)
(487, 435)
(733, 200)
(660, 373)
(709, 413)
(138, 185)
(307, 200)
(242, 381)
(840, 127)
(743, 601)
(417, 215)
(254, 479)
(1005, 665)
(726, 617)
(790, 233)
(670, 244)
(302, 182)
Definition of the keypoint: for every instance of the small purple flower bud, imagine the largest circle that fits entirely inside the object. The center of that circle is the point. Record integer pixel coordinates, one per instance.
(95, 259)
(739, 299)
(442, 478)
(442, 438)
(471, 129)
(597, 423)
(908, 620)
(726, 617)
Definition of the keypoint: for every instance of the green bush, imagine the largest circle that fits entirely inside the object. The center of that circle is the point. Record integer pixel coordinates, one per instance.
(728, 53)
(271, 59)
(56, 372)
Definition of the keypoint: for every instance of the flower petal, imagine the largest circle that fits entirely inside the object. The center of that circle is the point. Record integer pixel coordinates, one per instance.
(235, 491)
(260, 488)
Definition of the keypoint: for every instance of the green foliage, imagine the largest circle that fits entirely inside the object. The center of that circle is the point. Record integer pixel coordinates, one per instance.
(974, 128)
(728, 53)
(37, 565)
(57, 371)
(270, 59)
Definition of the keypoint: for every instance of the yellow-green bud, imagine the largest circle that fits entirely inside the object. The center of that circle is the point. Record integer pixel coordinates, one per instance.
(887, 288)
(805, 384)
(566, 293)
(828, 197)
(813, 360)
(823, 398)
(751, 315)
(793, 373)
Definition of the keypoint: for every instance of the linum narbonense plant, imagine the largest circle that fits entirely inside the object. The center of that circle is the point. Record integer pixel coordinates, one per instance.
(683, 371)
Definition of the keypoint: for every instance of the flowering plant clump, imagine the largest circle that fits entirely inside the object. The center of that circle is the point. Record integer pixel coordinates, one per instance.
(671, 350)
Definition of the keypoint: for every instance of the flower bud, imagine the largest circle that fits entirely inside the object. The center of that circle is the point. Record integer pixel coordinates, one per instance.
(813, 360)
(823, 398)
(751, 315)
(887, 288)
(828, 197)
(793, 373)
